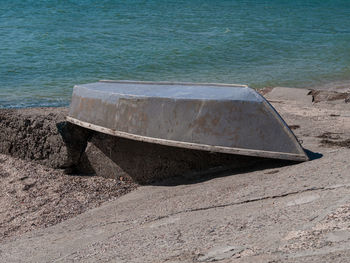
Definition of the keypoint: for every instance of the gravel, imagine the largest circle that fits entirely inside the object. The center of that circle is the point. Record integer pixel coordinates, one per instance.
(34, 196)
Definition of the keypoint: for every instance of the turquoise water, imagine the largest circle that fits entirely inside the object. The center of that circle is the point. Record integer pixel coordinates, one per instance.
(48, 46)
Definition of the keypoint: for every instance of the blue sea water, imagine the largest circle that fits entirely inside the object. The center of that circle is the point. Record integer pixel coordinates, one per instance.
(47, 46)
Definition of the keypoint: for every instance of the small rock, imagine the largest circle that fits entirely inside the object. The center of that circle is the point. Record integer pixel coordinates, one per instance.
(28, 185)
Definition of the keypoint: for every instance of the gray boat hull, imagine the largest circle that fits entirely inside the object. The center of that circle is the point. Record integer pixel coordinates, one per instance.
(212, 117)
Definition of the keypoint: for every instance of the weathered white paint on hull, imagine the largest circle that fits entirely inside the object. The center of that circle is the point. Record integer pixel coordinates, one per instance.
(224, 118)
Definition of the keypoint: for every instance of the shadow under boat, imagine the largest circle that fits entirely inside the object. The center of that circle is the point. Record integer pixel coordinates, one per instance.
(148, 163)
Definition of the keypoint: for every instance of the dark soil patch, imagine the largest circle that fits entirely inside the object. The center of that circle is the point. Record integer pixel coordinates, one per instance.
(345, 143)
(294, 127)
(330, 135)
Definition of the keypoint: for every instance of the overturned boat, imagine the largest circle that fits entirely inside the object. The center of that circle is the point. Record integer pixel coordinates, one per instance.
(225, 118)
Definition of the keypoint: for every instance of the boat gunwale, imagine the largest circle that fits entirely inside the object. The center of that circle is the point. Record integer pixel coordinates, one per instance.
(174, 83)
(194, 146)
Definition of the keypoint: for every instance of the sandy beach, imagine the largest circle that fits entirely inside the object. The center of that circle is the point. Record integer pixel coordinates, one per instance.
(263, 211)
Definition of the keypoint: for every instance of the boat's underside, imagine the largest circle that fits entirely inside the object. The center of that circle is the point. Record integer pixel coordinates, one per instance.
(212, 117)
